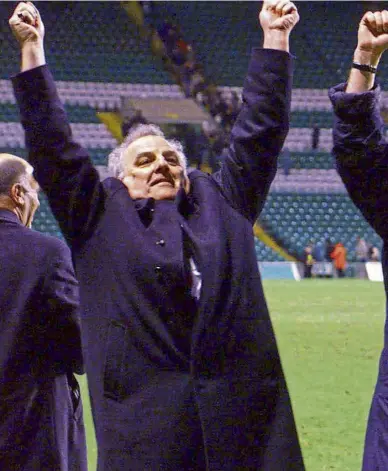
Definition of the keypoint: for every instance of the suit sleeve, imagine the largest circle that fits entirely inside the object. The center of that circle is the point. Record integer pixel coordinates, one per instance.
(62, 315)
(61, 166)
(258, 133)
(361, 152)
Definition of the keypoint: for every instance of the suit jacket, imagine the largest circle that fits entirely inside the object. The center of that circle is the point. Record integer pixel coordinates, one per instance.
(40, 347)
(213, 397)
(361, 152)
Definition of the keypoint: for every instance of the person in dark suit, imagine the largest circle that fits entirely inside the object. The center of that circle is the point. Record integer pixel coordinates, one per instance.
(361, 151)
(181, 357)
(41, 425)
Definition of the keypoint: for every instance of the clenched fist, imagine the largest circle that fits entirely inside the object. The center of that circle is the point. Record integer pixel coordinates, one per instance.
(26, 24)
(373, 32)
(280, 15)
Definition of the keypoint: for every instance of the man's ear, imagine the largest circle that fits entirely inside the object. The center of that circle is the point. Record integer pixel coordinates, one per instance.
(17, 194)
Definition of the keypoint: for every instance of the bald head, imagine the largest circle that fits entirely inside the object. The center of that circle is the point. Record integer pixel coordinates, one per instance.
(18, 188)
(12, 170)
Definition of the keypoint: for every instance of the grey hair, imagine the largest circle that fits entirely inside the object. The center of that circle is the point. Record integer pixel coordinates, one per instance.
(115, 158)
(13, 170)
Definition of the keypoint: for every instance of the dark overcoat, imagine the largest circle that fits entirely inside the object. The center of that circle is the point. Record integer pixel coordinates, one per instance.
(175, 386)
(41, 424)
(361, 152)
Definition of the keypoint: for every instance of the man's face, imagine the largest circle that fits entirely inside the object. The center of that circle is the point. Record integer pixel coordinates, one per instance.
(31, 200)
(152, 169)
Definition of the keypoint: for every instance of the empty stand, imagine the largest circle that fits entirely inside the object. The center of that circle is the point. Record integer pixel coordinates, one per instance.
(298, 219)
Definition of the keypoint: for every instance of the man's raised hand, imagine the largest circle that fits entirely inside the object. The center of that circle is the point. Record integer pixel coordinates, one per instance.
(278, 15)
(373, 33)
(26, 24)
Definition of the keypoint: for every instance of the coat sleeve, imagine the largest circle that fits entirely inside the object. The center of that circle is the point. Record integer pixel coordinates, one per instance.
(62, 315)
(258, 133)
(361, 152)
(61, 166)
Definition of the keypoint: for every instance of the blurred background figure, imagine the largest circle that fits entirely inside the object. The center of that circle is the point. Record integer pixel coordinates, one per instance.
(329, 249)
(128, 123)
(285, 161)
(308, 261)
(320, 266)
(361, 250)
(362, 253)
(339, 257)
(316, 131)
(374, 254)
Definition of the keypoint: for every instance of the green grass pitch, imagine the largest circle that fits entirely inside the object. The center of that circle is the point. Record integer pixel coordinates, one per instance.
(330, 334)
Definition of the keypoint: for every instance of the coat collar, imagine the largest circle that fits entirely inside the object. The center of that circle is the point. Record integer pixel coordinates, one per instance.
(146, 206)
(9, 216)
(185, 203)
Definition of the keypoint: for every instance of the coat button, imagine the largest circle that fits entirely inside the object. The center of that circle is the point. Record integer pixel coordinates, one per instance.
(161, 242)
(158, 269)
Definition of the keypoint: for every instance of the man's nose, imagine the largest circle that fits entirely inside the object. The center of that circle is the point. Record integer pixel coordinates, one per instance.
(161, 162)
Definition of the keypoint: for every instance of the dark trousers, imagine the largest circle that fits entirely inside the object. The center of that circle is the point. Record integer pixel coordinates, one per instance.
(341, 272)
(307, 271)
